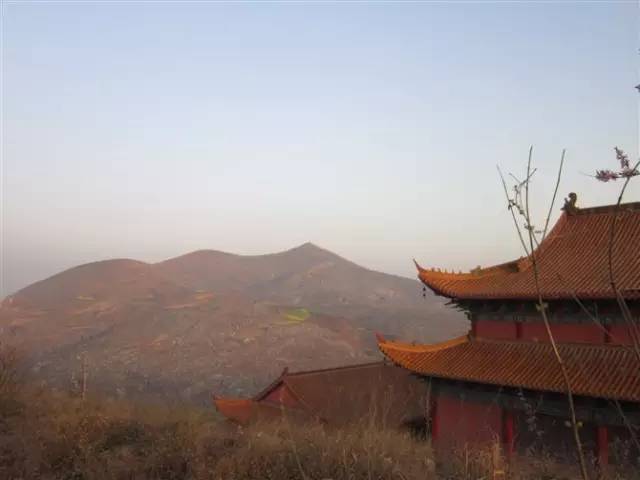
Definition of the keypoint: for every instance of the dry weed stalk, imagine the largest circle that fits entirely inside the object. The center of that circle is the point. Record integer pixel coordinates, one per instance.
(555, 194)
(541, 305)
(294, 447)
(8, 369)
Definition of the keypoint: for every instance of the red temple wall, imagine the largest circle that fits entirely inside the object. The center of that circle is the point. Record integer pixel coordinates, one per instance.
(620, 334)
(461, 421)
(536, 331)
(495, 329)
(564, 332)
(282, 395)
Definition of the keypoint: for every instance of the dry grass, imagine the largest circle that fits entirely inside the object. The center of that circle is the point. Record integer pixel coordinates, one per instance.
(55, 436)
(281, 451)
(46, 435)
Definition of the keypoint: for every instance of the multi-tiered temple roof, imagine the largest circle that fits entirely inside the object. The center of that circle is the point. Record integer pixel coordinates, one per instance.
(573, 261)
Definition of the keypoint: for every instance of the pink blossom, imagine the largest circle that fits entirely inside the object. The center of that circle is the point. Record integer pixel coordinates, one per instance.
(629, 172)
(622, 157)
(606, 175)
(625, 170)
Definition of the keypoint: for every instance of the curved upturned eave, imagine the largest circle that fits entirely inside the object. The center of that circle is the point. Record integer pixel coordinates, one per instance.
(598, 370)
(572, 263)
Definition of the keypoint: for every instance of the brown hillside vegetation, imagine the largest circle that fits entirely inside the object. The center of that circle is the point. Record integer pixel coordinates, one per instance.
(315, 278)
(211, 321)
(111, 280)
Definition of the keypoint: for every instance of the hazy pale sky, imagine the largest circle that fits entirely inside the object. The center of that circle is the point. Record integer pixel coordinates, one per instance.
(147, 130)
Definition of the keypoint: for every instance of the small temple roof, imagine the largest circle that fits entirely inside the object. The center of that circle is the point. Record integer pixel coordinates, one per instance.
(245, 410)
(335, 395)
(239, 410)
(572, 262)
(602, 371)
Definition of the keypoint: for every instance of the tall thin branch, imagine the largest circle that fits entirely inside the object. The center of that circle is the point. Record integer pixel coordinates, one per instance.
(543, 312)
(555, 194)
(634, 329)
(513, 215)
(613, 227)
(589, 315)
(634, 347)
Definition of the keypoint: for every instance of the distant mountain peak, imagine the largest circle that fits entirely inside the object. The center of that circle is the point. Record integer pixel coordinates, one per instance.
(308, 246)
(309, 249)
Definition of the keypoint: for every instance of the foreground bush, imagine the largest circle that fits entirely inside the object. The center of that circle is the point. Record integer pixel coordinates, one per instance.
(285, 451)
(60, 437)
(56, 436)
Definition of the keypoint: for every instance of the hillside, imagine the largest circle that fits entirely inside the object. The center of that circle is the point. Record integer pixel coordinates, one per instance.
(315, 278)
(211, 320)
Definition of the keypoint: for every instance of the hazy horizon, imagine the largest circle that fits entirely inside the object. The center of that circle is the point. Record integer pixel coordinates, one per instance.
(147, 131)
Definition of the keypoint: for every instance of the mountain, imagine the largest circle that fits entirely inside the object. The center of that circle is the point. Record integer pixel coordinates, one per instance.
(322, 281)
(211, 320)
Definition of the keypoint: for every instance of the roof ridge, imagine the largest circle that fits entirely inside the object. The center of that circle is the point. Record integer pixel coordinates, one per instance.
(271, 386)
(629, 206)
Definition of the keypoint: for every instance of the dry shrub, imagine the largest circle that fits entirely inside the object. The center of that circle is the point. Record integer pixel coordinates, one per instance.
(61, 437)
(475, 461)
(57, 436)
(9, 385)
(279, 450)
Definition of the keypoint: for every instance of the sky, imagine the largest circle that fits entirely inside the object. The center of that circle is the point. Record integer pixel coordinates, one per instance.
(148, 130)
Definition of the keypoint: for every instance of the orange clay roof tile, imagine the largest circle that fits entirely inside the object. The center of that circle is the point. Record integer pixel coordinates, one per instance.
(572, 261)
(603, 371)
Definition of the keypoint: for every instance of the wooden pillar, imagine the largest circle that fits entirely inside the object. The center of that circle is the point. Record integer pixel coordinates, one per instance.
(508, 432)
(607, 333)
(602, 446)
(435, 423)
(518, 330)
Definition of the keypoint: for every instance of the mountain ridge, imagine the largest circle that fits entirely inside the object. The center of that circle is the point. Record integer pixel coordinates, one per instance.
(304, 247)
(210, 318)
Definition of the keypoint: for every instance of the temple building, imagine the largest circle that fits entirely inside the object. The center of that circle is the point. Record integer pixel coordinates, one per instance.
(502, 382)
(375, 392)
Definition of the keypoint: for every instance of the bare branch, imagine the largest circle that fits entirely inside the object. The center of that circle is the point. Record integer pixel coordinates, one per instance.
(555, 193)
(542, 307)
(634, 329)
(513, 215)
